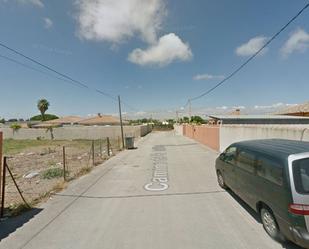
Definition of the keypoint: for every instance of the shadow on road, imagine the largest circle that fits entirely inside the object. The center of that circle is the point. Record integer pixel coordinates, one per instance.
(255, 215)
(9, 225)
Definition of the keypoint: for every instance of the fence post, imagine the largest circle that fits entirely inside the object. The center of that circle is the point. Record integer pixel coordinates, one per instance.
(16, 185)
(3, 187)
(108, 146)
(64, 164)
(100, 148)
(119, 143)
(92, 148)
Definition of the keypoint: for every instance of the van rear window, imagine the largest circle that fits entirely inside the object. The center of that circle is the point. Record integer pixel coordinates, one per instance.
(301, 175)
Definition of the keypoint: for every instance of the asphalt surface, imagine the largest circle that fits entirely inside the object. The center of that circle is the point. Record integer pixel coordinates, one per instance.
(110, 208)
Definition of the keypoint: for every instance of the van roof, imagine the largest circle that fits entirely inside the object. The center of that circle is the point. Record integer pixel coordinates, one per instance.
(279, 148)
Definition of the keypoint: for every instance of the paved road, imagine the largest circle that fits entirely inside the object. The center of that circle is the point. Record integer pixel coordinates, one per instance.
(110, 208)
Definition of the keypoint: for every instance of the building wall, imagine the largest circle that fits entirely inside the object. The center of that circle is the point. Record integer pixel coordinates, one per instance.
(178, 129)
(77, 132)
(235, 133)
(205, 134)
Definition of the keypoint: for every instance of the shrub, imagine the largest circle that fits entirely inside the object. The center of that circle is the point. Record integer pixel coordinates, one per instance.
(47, 117)
(52, 173)
(15, 127)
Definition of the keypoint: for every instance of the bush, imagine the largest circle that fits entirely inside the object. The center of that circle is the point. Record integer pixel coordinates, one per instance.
(52, 173)
(15, 127)
(47, 117)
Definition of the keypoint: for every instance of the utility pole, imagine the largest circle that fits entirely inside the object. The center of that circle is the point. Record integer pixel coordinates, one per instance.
(121, 124)
(177, 117)
(1, 141)
(190, 109)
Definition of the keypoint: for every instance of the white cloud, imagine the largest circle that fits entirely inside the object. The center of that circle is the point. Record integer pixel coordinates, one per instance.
(37, 3)
(208, 77)
(252, 46)
(48, 23)
(241, 107)
(275, 105)
(222, 107)
(169, 48)
(298, 41)
(116, 21)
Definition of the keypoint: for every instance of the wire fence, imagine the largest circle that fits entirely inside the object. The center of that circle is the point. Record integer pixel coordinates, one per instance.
(42, 170)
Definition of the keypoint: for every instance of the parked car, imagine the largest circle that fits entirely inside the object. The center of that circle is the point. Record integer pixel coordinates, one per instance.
(272, 177)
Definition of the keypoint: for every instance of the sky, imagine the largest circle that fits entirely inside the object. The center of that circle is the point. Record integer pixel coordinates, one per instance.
(156, 54)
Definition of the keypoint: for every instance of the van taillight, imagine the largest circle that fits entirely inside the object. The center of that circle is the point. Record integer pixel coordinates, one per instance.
(299, 209)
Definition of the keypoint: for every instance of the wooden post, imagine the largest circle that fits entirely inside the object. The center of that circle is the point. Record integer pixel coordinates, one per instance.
(121, 123)
(108, 146)
(92, 148)
(64, 166)
(100, 148)
(16, 185)
(3, 187)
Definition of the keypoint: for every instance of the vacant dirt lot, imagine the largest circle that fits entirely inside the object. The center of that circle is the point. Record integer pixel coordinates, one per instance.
(37, 166)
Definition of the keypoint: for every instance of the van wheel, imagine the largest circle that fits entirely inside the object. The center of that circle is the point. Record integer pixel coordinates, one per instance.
(221, 180)
(270, 224)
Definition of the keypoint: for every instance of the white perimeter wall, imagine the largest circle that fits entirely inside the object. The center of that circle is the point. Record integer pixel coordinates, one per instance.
(235, 133)
(77, 132)
(178, 129)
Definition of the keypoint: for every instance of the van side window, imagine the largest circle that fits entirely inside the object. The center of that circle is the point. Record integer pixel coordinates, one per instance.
(230, 155)
(246, 161)
(270, 170)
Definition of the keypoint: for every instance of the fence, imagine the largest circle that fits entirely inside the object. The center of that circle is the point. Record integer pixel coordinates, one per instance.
(44, 166)
(205, 134)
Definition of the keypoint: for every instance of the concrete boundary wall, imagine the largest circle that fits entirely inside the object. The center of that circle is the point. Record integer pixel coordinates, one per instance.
(77, 132)
(178, 129)
(205, 134)
(235, 133)
(220, 137)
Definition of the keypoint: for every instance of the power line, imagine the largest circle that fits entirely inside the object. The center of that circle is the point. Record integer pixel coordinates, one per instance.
(34, 69)
(56, 71)
(251, 58)
(64, 78)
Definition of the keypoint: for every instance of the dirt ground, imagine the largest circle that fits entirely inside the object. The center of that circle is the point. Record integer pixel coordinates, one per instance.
(37, 166)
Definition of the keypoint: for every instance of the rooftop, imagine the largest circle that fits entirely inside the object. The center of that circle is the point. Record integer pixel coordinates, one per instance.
(100, 120)
(302, 108)
(244, 117)
(65, 120)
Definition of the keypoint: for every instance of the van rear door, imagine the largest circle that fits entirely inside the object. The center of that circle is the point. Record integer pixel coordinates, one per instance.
(299, 178)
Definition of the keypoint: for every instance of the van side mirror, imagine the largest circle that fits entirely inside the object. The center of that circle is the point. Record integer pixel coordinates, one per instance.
(222, 156)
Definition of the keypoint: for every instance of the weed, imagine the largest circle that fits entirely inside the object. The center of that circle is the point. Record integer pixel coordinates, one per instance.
(52, 173)
(16, 209)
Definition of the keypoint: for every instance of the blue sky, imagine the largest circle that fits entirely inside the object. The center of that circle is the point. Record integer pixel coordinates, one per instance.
(156, 54)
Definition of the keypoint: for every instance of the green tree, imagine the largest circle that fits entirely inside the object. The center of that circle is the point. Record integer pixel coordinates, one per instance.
(185, 120)
(197, 120)
(47, 117)
(15, 127)
(51, 130)
(43, 105)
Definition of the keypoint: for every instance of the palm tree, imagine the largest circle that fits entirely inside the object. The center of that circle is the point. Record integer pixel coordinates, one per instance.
(43, 105)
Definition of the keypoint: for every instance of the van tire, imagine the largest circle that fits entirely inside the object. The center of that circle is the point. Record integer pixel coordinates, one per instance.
(221, 181)
(270, 224)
